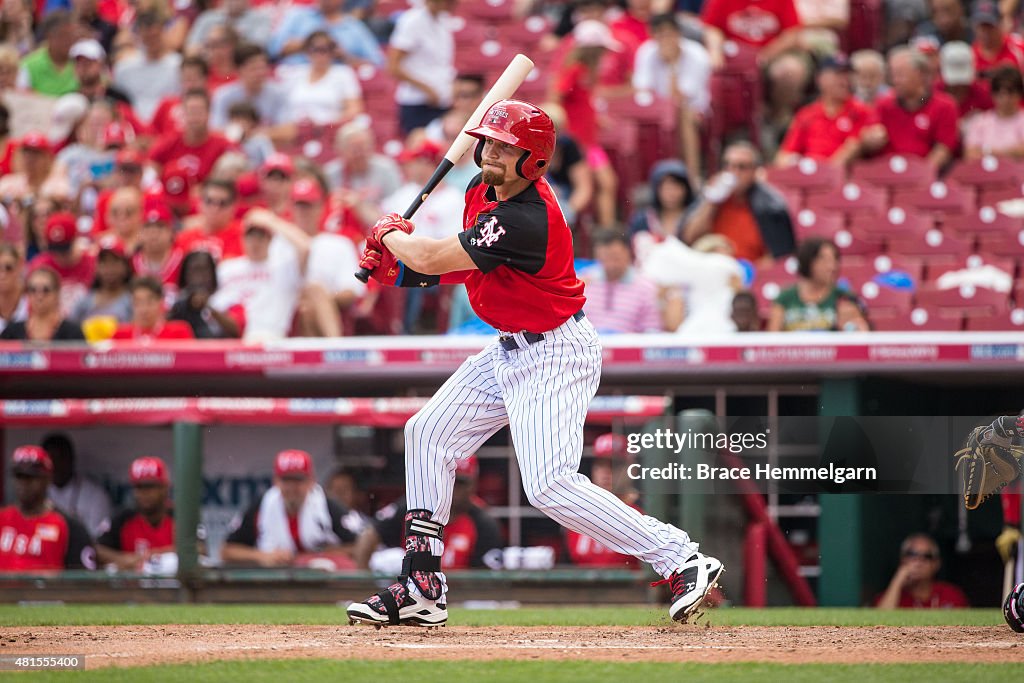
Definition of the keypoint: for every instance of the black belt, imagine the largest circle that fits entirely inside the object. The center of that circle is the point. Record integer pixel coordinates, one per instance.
(509, 343)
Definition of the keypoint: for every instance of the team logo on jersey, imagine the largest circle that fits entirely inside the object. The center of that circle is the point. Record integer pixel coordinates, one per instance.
(490, 232)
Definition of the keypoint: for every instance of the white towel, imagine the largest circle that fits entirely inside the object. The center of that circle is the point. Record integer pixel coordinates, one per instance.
(315, 528)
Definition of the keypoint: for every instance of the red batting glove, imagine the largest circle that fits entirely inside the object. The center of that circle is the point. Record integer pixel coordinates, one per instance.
(383, 266)
(386, 224)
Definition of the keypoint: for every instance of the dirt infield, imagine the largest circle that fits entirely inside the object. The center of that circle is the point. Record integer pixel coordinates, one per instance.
(146, 645)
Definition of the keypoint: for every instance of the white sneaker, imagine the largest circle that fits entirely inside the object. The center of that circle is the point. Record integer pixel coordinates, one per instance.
(399, 604)
(690, 584)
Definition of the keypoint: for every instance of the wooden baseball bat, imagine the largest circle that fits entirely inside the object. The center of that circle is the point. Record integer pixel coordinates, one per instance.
(515, 73)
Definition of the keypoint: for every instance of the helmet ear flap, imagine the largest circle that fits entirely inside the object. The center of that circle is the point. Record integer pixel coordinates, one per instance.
(519, 165)
(478, 153)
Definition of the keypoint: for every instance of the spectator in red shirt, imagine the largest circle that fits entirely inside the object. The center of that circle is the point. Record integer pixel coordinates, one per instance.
(135, 534)
(770, 26)
(918, 121)
(75, 266)
(219, 53)
(959, 79)
(276, 183)
(194, 75)
(157, 257)
(216, 229)
(149, 321)
(35, 535)
(829, 128)
(124, 217)
(914, 583)
(992, 45)
(127, 173)
(195, 145)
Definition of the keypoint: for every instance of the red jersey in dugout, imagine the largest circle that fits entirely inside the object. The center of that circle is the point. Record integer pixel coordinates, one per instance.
(48, 541)
(523, 248)
(131, 532)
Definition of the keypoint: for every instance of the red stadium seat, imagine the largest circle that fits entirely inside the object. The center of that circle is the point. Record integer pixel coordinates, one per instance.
(1007, 244)
(807, 174)
(917, 319)
(994, 195)
(736, 101)
(986, 220)
(1012, 320)
(853, 244)
(895, 172)
(794, 199)
(962, 300)
(620, 142)
(988, 173)
(768, 282)
(889, 263)
(495, 10)
(852, 198)
(864, 32)
(929, 245)
(892, 223)
(656, 119)
(1005, 264)
(939, 196)
(491, 55)
(881, 299)
(525, 34)
(809, 222)
(469, 31)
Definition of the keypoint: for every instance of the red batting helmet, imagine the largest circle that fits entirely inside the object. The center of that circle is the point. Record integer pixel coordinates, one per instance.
(521, 125)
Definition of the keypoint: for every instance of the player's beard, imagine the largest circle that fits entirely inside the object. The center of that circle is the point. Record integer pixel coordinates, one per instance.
(492, 177)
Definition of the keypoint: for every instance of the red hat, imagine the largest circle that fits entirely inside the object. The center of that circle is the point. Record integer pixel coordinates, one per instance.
(467, 467)
(128, 157)
(308, 191)
(610, 446)
(177, 179)
(247, 184)
(278, 162)
(293, 464)
(32, 460)
(61, 228)
(148, 469)
(155, 211)
(115, 135)
(36, 140)
(111, 243)
(427, 150)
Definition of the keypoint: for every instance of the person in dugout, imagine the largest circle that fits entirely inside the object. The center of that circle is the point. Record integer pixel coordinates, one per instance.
(293, 522)
(136, 534)
(469, 535)
(34, 534)
(608, 472)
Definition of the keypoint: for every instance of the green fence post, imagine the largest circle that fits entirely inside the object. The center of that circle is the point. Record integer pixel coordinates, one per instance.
(188, 487)
(692, 505)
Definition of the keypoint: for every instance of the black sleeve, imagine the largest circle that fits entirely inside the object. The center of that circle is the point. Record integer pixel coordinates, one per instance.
(390, 524)
(514, 234)
(243, 528)
(80, 554)
(111, 538)
(337, 511)
(488, 536)
(68, 331)
(13, 331)
(571, 152)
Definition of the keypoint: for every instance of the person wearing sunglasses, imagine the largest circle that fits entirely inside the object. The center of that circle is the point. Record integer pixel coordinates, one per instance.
(323, 91)
(13, 301)
(45, 322)
(216, 229)
(999, 132)
(914, 583)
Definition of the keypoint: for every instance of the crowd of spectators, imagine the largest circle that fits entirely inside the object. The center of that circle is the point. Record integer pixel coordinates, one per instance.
(179, 170)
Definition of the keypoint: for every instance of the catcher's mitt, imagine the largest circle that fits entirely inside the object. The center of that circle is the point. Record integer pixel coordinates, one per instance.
(989, 460)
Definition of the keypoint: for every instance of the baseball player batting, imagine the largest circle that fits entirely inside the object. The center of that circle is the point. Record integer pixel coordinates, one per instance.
(515, 257)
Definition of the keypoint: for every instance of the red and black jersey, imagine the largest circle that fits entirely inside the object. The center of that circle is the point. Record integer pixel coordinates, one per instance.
(523, 248)
(52, 540)
(131, 532)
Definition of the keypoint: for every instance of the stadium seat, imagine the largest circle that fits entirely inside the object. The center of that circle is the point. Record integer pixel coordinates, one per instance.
(469, 31)
(768, 282)
(939, 197)
(487, 56)
(794, 198)
(929, 245)
(918, 319)
(895, 172)
(656, 119)
(884, 300)
(1006, 244)
(493, 10)
(806, 175)
(890, 263)
(994, 195)
(620, 142)
(525, 34)
(864, 32)
(963, 300)
(892, 223)
(1005, 264)
(986, 220)
(1012, 320)
(852, 198)
(809, 222)
(853, 244)
(988, 173)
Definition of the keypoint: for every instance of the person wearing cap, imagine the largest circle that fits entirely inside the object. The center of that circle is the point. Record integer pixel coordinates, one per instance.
(195, 145)
(128, 172)
(680, 69)
(157, 257)
(607, 471)
(999, 132)
(772, 27)
(48, 70)
(276, 183)
(34, 534)
(573, 88)
(93, 81)
(151, 73)
(215, 229)
(71, 490)
(109, 296)
(321, 92)
(421, 57)
(294, 517)
(329, 288)
(469, 535)
(958, 79)
(149, 320)
(75, 265)
(828, 129)
(254, 85)
(993, 46)
(33, 165)
(194, 75)
(267, 279)
(917, 120)
(45, 321)
(948, 23)
(136, 533)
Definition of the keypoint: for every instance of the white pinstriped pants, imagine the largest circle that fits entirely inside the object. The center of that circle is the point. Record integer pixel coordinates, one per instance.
(542, 391)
